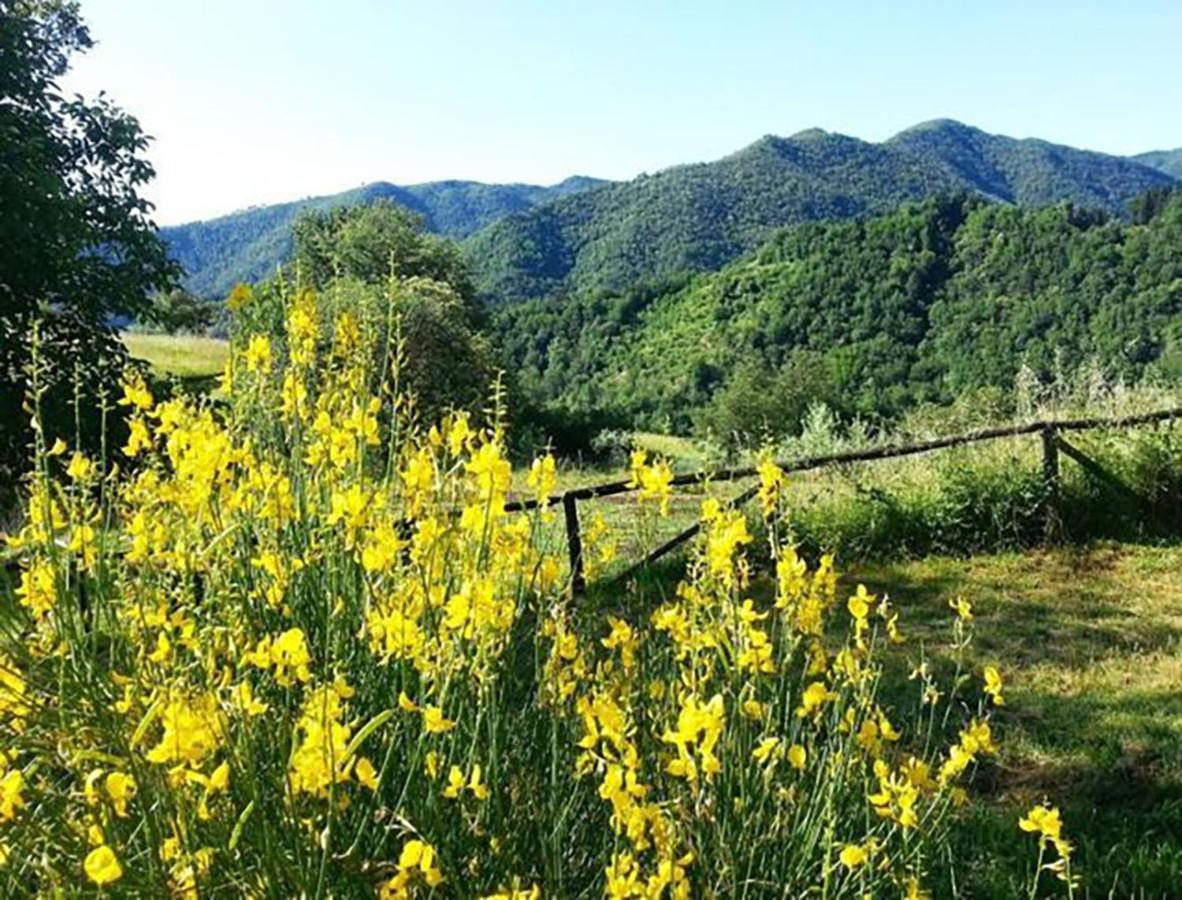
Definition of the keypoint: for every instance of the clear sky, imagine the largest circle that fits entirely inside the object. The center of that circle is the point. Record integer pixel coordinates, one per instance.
(259, 101)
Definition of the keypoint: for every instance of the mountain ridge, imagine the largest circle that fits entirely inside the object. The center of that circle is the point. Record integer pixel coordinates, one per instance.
(585, 233)
(701, 216)
(247, 244)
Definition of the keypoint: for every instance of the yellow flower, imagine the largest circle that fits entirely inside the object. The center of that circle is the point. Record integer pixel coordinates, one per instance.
(532, 893)
(699, 727)
(219, 779)
(431, 764)
(137, 438)
(102, 866)
(416, 862)
(478, 788)
(753, 709)
(38, 588)
(120, 788)
(193, 729)
(853, 855)
(163, 652)
(11, 800)
(434, 720)
(797, 757)
(258, 354)
(913, 890)
(366, 775)
(136, 394)
(243, 698)
(289, 654)
(765, 749)
(654, 481)
(240, 297)
(993, 685)
(80, 468)
(542, 478)
(814, 697)
(962, 607)
(859, 604)
(1043, 821)
(771, 483)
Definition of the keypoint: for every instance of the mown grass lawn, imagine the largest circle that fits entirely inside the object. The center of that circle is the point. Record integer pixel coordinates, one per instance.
(183, 356)
(1090, 643)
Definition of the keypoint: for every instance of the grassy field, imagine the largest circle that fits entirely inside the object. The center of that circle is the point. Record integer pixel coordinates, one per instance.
(1090, 642)
(184, 356)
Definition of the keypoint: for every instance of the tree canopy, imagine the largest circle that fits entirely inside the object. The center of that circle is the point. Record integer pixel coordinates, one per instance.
(79, 248)
(373, 244)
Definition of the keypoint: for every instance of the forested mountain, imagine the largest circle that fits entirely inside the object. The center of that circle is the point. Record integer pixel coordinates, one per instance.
(248, 245)
(694, 217)
(1030, 172)
(1168, 161)
(937, 298)
(699, 217)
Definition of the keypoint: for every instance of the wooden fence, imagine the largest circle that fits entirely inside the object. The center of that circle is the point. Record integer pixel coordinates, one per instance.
(1052, 444)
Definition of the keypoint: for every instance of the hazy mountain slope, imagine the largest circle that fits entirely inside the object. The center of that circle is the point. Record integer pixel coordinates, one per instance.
(249, 244)
(1168, 161)
(698, 217)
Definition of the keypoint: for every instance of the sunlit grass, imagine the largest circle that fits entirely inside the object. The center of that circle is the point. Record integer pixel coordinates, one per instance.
(185, 356)
(1090, 641)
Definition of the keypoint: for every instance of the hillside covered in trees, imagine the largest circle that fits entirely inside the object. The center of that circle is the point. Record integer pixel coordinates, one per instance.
(923, 304)
(248, 245)
(699, 217)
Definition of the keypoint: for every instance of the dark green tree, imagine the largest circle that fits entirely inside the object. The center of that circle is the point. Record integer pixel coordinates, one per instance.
(179, 311)
(374, 243)
(79, 248)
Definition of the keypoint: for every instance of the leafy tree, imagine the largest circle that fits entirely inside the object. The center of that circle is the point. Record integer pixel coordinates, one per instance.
(447, 364)
(79, 248)
(374, 243)
(179, 311)
(1148, 206)
(757, 403)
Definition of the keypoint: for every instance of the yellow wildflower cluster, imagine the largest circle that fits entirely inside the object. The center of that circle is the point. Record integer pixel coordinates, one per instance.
(1045, 823)
(654, 480)
(297, 644)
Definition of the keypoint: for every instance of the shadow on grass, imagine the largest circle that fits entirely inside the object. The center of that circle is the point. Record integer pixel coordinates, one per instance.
(1089, 640)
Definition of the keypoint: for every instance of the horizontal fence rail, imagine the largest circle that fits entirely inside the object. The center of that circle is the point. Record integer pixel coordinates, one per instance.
(1048, 428)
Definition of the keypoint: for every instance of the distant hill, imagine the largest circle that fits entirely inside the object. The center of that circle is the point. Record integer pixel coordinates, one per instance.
(249, 244)
(698, 217)
(872, 316)
(1168, 161)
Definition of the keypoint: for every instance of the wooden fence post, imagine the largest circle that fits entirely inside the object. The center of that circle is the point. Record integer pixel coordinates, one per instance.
(574, 543)
(1050, 479)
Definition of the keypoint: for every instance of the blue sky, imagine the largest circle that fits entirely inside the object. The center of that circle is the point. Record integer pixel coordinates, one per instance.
(254, 101)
